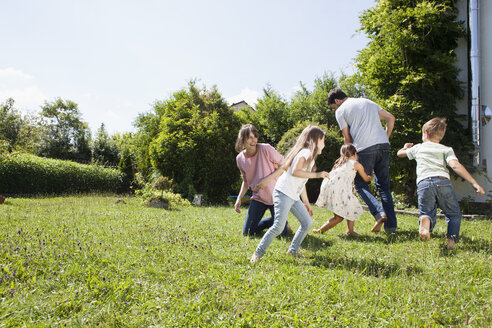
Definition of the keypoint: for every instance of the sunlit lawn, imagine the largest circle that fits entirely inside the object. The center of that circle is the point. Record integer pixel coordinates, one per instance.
(88, 260)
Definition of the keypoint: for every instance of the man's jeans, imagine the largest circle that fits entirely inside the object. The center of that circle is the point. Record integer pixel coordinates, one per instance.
(377, 158)
(284, 204)
(435, 191)
(254, 222)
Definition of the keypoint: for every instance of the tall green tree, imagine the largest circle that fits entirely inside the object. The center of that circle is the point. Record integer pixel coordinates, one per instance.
(195, 143)
(18, 132)
(105, 149)
(272, 116)
(311, 106)
(147, 125)
(408, 67)
(10, 125)
(67, 136)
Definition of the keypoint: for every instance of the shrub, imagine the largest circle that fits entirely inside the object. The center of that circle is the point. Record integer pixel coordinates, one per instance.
(324, 162)
(195, 144)
(148, 192)
(29, 174)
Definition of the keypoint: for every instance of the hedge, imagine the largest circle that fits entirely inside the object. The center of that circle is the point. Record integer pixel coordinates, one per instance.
(28, 174)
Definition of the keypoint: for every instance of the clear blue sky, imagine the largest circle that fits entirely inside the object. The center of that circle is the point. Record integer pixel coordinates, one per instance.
(114, 58)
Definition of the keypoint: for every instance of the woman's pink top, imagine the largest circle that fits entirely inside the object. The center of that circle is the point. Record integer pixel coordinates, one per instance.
(255, 168)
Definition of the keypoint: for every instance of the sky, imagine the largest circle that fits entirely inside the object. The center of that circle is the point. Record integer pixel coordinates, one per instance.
(115, 58)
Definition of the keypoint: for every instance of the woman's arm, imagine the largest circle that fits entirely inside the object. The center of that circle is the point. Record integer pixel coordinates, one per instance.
(360, 169)
(242, 192)
(300, 173)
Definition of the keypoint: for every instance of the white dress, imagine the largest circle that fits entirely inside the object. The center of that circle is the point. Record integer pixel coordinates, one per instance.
(336, 192)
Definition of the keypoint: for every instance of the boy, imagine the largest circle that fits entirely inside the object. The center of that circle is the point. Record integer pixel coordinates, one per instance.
(433, 184)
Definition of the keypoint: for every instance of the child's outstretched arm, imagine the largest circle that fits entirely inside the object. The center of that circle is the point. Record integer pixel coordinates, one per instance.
(300, 173)
(403, 152)
(266, 180)
(360, 169)
(463, 172)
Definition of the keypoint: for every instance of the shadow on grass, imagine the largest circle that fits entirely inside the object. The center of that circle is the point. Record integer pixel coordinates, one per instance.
(367, 267)
(475, 245)
(384, 238)
(466, 244)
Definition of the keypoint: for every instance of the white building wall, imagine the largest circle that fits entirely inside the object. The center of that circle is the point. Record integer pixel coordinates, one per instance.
(463, 188)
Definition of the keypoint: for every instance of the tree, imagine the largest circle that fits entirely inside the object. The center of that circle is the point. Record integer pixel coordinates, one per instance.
(195, 143)
(147, 125)
(273, 116)
(10, 125)
(311, 106)
(66, 136)
(408, 67)
(18, 132)
(104, 149)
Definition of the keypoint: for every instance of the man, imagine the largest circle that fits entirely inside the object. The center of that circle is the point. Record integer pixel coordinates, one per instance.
(360, 122)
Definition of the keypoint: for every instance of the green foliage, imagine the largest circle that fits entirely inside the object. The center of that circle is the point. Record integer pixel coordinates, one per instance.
(272, 116)
(195, 144)
(110, 262)
(324, 162)
(66, 135)
(306, 106)
(29, 174)
(17, 133)
(148, 192)
(104, 148)
(10, 124)
(147, 126)
(127, 167)
(408, 68)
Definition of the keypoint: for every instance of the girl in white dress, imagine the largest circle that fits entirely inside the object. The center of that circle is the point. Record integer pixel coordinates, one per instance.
(336, 191)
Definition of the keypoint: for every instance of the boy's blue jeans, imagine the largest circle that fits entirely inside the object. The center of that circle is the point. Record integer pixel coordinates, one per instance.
(254, 222)
(377, 158)
(435, 191)
(283, 204)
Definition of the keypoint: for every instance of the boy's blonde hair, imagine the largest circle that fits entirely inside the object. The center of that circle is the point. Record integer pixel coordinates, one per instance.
(308, 139)
(435, 128)
(243, 134)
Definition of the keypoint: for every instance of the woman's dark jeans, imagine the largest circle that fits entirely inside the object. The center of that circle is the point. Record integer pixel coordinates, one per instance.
(254, 222)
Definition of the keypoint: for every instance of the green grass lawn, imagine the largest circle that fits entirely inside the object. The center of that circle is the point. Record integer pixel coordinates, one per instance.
(90, 261)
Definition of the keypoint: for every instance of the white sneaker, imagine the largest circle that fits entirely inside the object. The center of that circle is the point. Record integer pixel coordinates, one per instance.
(254, 258)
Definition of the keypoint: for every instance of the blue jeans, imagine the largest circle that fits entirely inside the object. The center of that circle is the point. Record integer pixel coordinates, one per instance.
(283, 204)
(254, 222)
(435, 191)
(377, 158)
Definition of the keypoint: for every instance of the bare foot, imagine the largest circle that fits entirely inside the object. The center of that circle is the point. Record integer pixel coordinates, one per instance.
(451, 243)
(317, 231)
(424, 229)
(353, 234)
(378, 224)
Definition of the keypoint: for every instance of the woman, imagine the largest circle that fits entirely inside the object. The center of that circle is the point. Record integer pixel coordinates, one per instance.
(260, 166)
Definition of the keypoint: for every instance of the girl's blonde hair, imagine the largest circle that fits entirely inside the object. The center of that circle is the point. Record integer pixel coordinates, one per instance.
(308, 139)
(243, 134)
(346, 151)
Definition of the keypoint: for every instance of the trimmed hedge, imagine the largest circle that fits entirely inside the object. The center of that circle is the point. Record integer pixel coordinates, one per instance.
(29, 174)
